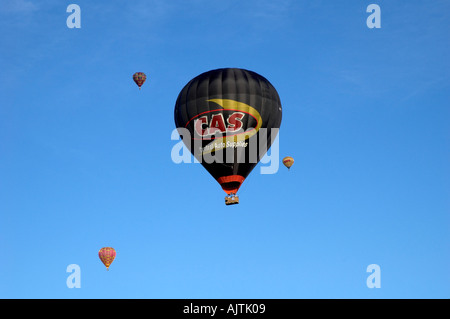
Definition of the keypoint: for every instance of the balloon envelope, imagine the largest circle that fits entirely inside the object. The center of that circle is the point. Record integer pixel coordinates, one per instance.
(107, 255)
(225, 118)
(288, 161)
(139, 78)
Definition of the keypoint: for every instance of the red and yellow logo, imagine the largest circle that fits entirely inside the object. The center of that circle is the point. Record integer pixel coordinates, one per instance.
(228, 126)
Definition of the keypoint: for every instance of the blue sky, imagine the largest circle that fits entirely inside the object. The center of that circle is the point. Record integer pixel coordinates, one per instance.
(85, 157)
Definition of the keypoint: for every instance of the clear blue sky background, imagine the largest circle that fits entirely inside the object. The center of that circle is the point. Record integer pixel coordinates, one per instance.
(85, 157)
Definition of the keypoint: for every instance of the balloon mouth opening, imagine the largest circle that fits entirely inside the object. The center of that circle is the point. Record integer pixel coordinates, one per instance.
(230, 184)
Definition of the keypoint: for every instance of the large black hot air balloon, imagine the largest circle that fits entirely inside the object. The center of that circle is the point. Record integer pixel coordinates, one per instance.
(230, 115)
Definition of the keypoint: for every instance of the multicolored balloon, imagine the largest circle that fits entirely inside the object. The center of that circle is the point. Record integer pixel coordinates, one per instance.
(288, 161)
(229, 114)
(139, 78)
(107, 255)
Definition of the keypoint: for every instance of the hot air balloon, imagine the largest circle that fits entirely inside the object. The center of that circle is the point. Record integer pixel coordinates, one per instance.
(225, 118)
(107, 255)
(139, 78)
(288, 162)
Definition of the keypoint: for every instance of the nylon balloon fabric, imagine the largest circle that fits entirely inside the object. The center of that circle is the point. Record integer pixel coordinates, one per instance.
(288, 161)
(139, 78)
(107, 256)
(231, 116)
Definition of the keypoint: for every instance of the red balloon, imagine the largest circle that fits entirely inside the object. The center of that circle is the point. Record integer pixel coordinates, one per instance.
(107, 255)
(139, 78)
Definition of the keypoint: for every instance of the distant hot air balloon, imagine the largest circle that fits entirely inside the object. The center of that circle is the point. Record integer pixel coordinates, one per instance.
(288, 162)
(107, 255)
(139, 78)
(229, 114)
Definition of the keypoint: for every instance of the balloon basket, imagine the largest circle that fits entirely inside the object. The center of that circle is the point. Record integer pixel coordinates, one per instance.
(231, 199)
